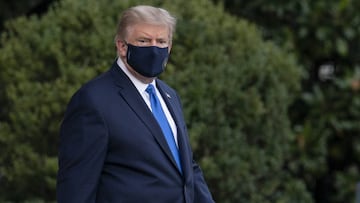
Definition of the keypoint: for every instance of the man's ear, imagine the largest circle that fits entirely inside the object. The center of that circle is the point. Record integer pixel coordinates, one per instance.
(121, 47)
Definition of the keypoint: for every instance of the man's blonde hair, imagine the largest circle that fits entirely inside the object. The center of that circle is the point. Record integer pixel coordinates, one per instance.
(144, 14)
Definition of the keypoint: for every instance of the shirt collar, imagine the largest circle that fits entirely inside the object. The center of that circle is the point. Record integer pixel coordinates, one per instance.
(141, 87)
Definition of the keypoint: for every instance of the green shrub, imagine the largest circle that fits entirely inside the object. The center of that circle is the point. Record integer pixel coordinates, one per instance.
(326, 114)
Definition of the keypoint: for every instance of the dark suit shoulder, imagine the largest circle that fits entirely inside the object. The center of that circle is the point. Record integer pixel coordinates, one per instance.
(92, 91)
(97, 82)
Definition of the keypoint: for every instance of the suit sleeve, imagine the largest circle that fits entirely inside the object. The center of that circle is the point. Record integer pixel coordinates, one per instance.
(202, 193)
(82, 151)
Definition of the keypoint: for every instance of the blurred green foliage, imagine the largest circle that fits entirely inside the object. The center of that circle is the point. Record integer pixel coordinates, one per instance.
(12, 9)
(325, 36)
(316, 30)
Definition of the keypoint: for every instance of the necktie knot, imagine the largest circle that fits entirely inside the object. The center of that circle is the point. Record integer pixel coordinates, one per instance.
(154, 100)
(150, 89)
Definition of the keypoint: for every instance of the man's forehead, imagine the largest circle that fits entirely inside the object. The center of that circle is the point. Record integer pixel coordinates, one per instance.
(149, 30)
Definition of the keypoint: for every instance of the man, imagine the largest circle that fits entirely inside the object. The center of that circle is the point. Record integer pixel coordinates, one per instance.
(123, 138)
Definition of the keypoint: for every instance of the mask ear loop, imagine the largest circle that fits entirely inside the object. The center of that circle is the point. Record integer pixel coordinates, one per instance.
(125, 43)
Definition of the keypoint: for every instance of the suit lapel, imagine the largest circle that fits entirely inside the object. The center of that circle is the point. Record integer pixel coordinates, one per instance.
(130, 94)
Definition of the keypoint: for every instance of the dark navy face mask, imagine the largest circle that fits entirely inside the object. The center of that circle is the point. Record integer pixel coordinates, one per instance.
(149, 61)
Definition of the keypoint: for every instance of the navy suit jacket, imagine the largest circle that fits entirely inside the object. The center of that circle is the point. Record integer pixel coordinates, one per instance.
(112, 149)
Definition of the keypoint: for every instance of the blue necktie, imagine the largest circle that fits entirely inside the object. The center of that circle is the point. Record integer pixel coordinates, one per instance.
(161, 119)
